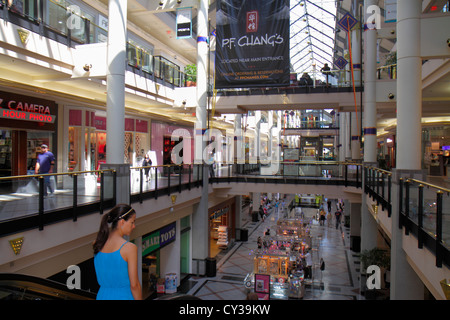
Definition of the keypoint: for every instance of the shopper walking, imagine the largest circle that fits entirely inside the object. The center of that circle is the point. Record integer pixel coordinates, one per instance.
(147, 162)
(44, 163)
(338, 215)
(329, 219)
(115, 259)
(308, 262)
(329, 205)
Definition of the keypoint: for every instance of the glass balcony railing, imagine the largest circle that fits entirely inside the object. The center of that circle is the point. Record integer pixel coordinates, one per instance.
(424, 209)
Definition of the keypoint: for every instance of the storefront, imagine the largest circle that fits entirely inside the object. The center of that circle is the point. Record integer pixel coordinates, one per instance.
(25, 124)
(157, 260)
(163, 145)
(86, 148)
(221, 226)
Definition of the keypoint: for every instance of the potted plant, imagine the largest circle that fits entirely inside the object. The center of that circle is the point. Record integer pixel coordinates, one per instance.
(378, 257)
(191, 75)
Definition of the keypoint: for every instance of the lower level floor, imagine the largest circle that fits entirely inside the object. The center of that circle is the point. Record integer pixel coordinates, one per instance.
(339, 281)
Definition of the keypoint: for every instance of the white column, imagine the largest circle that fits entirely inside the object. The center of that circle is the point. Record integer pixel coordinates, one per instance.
(409, 85)
(348, 136)
(115, 81)
(405, 283)
(355, 137)
(200, 221)
(258, 135)
(356, 57)
(341, 136)
(370, 77)
(239, 151)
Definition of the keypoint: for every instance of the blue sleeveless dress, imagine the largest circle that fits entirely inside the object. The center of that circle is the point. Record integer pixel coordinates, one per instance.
(112, 276)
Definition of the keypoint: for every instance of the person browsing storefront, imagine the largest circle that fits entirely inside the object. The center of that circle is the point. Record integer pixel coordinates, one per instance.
(44, 164)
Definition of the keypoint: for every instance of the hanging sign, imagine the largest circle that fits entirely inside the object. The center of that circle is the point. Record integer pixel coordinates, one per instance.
(340, 63)
(184, 23)
(347, 22)
(252, 43)
(390, 9)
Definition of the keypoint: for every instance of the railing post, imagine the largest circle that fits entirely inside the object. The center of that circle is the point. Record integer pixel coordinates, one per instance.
(141, 184)
(439, 229)
(407, 183)
(189, 170)
(345, 173)
(400, 202)
(168, 180)
(156, 182)
(41, 202)
(75, 197)
(420, 218)
(357, 176)
(198, 176)
(114, 187)
(377, 179)
(389, 194)
(179, 178)
(102, 189)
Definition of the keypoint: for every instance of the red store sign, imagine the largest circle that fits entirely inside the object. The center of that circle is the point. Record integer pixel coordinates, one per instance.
(17, 107)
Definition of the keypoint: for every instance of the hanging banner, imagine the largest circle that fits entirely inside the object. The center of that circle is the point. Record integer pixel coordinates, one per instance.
(252, 45)
(390, 10)
(184, 23)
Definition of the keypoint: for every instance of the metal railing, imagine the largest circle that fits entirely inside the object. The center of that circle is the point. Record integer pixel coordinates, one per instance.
(25, 205)
(163, 179)
(424, 209)
(378, 184)
(298, 172)
(425, 212)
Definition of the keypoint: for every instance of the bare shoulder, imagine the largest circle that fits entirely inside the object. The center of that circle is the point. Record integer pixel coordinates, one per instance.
(130, 247)
(129, 250)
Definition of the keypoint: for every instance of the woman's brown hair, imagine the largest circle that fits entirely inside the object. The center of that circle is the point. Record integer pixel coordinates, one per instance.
(120, 211)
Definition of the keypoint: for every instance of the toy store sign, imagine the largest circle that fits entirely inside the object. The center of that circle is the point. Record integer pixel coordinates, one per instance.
(158, 239)
(25, 108)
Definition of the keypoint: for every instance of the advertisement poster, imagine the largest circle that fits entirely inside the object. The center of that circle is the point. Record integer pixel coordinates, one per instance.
(252, 45)
(262, 286)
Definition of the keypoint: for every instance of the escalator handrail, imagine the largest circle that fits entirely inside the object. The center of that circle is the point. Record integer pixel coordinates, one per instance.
(43, 286)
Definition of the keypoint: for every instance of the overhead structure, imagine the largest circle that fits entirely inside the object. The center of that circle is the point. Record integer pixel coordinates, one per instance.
(312, 34)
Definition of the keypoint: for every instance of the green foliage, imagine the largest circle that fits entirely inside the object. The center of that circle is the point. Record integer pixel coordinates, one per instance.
(191, 72)
(375, 256)
(391, 58)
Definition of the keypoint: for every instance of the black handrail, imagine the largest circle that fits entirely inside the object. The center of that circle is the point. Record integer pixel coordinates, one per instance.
(431, 239)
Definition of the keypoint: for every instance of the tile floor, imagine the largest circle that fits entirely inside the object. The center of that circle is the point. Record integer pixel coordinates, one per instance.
(339, 280)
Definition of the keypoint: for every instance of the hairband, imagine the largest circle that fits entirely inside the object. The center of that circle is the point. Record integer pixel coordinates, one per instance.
(124, 215)
(120, 217)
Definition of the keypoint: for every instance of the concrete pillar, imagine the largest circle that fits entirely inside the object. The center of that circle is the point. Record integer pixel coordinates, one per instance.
(115, 81)
(200, 219)
(238, 212)
(409, 85)
(348, 137)
(239, 151)
(355, 226)
(405, 283)
(355, 146)
(258, 135)
(370, 77)
(369, 227)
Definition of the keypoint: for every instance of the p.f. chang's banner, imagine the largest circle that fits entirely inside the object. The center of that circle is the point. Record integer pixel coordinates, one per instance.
(252, 44)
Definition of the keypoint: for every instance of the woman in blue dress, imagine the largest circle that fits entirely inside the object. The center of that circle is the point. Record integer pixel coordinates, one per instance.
(115, 258)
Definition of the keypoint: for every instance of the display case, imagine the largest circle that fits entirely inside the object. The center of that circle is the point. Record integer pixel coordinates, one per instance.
(222, 240)
(282, 268)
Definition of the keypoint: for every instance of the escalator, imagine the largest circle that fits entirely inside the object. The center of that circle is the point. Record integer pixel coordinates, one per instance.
(23, 287)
